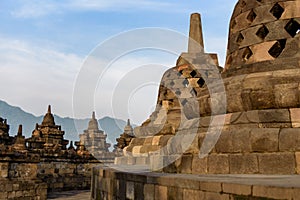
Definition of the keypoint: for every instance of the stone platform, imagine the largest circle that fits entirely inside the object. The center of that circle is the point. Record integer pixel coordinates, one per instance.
(138, 183)
(70, 195)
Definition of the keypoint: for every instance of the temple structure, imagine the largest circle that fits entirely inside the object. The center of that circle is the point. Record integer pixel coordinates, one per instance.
(5, 139)
(47, 137)
(124, 140)
(94, 141)
(31, 167)
(242, 121)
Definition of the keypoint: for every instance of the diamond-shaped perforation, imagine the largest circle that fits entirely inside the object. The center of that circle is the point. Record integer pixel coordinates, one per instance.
(251, 16)
(262, 32)
(277, 10)
(277, 48)
(240, 38)
(178, 92)
(292, 27)
(184, 102)
(201, 82)
(193, 73)
(172, 83)
(185, 82)
(247, 54)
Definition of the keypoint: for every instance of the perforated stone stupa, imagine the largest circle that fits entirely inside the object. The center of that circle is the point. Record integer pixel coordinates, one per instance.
(261, 129)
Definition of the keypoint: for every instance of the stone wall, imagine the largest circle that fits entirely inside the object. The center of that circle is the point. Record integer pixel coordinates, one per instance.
(22, 179)
(23, 190)
(19, 181)
(65, 175)
(111, 184)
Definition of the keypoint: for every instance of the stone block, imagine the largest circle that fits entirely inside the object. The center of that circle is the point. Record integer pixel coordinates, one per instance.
(295, 117)
(224, 143)
(289, 139)
(186, 164)
(3, 195)
(4, 170)
(149, 192)
(138, 190)
(262, 99)
(297, 155)
(190, 142)
(161, 192)
(192, 194)
(272, 192)
(175, 193)
(186, 183)
(231, 188)
(286, 95)
(240, 140)
(142, 160)
(218, 164)
(156, 162)
(131, 160)
(276, 163)
(243, 164)
(199, 165)
(211, 186)
(215, 196)
(264, 140)
(129, 190)
(120, 160)
(274, 116)
(136, 151)
(174, 146)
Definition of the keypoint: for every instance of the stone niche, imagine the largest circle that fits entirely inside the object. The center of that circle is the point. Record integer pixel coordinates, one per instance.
(243, 119)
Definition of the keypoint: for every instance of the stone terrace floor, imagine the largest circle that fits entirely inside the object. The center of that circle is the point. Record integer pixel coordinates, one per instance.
(70, 195)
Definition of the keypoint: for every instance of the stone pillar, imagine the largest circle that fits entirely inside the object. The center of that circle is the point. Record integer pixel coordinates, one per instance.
(196, 43)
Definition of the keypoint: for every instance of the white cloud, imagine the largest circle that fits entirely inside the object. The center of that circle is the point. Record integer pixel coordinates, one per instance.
(33, 77)
(37, 8)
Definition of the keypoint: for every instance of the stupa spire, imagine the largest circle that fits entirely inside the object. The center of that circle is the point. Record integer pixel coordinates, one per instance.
(196, 43)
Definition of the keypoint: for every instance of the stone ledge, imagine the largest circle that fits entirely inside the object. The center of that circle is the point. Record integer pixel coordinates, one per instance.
(156, 186)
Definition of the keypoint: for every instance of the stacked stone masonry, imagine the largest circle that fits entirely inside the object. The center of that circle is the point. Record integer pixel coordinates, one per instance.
(112, 184)
(31, 167)
(251, 107)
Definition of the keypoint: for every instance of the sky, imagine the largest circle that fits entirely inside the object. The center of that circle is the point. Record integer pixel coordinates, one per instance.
(45, 46)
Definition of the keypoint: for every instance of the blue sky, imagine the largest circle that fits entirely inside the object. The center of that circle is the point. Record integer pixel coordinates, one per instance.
(43, 45)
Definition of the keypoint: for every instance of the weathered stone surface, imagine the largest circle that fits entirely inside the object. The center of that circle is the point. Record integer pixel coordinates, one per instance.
(243, 164)
(237, 189)
(284, 162)
(211, 186)
(218, 164)
(264, 140)
(297, 155)
(295, 117)
(161, 192)
(175, 193)
(149, 191)
(286, 95)
(272, 192)
(192, 194)
(199, 165)
(289, 139)
(186, 164)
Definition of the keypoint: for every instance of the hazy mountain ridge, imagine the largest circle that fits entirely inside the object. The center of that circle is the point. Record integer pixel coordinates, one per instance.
(15, 116)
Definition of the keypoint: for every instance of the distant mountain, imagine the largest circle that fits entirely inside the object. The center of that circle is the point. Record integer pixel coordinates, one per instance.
(72, 127)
